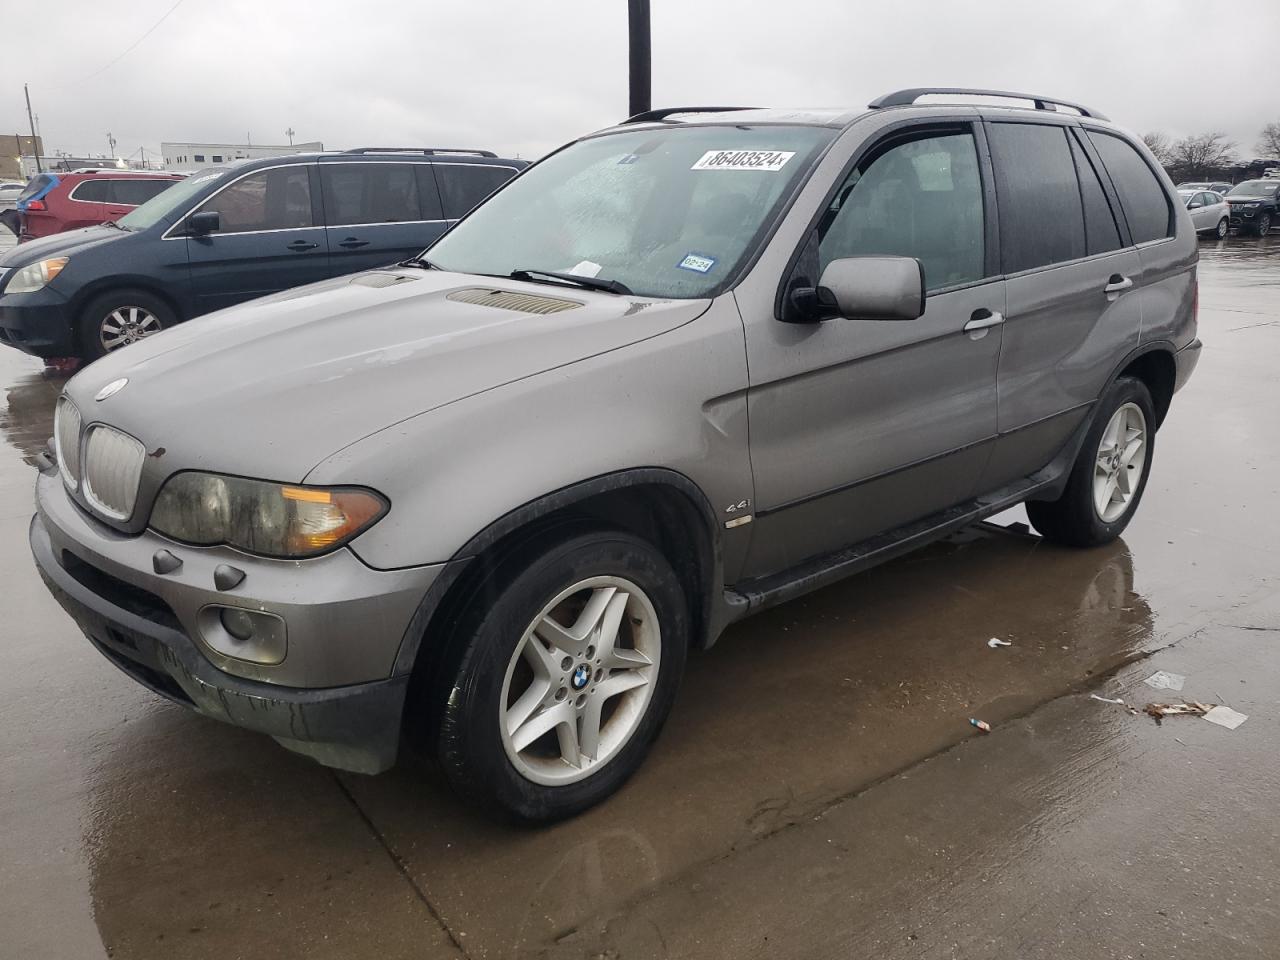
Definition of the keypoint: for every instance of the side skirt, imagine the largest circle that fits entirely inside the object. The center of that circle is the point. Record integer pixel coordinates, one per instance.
(751, 596)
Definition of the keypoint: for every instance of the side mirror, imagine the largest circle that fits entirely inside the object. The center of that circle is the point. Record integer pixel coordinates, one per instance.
(872, 288)
(204, 223)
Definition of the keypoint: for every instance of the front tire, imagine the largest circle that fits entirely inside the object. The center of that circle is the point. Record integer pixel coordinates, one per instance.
(118, 318)
(565, 677)
(1264, 224)
(1224, 227)
(1110, 473)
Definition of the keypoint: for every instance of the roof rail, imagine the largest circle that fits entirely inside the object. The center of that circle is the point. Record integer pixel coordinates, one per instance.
(653, 116)
(426, 151)
(904, 98)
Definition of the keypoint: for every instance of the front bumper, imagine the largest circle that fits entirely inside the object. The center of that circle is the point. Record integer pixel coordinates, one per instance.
(39, 323)
(147, 625)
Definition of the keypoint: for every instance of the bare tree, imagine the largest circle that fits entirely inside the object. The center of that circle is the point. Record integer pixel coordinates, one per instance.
(1197, 157)
(1269, 141)
(1159, 146)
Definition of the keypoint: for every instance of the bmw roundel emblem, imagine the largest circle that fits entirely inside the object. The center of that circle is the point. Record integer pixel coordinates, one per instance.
(581, 676)
(111, 389)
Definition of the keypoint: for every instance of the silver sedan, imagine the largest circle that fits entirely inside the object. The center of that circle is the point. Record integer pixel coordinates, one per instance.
(1209, 212)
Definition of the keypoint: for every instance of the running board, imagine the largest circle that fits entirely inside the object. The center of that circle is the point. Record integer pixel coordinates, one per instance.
(751, 596)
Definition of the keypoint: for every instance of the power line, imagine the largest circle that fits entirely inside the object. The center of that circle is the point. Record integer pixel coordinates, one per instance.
(133, 46)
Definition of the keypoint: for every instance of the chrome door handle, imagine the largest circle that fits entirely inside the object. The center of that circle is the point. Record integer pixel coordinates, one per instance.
(1117, 283)
(982, 319)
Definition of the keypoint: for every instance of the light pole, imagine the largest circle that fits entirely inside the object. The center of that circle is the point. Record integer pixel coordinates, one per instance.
(35, 142)
(289, 133)
(640, 57)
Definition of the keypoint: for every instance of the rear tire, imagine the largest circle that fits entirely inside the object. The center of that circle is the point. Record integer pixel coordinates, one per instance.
(115, 319)
(583, 640)
(1110, 473)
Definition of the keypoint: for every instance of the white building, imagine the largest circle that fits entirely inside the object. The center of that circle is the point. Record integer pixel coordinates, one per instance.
(196, 156)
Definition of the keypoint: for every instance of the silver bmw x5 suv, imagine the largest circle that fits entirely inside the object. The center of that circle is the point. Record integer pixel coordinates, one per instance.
(680, 370)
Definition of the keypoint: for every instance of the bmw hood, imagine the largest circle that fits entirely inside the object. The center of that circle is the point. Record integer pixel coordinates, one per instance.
(271, 388)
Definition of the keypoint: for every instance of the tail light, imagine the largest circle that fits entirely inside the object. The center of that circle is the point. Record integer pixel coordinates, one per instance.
(36, 205)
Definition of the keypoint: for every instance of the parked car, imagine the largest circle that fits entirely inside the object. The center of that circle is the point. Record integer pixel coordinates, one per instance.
(9, 190)
(228, 235)
(56, 202)
(1217, 186)
(1210, 213)
(679, 371)
(1254, 205)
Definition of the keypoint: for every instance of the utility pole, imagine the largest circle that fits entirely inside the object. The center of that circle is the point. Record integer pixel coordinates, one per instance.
(289, 133)
(641, 60)
(35, 142)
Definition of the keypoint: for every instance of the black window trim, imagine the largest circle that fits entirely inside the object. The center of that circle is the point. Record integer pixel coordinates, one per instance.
(1089, 129)
(907, 130)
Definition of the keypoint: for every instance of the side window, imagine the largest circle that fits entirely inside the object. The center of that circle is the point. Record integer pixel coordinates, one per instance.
(919, 197)
(1101, 232)
(361, 193)
(463, 185)
(1145, 204)
(277, 199)
(1041, 213)
(91, 191)
(135, 192)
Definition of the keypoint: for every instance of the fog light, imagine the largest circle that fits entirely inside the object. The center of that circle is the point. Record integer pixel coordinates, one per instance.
(243, 634)
(237, 622)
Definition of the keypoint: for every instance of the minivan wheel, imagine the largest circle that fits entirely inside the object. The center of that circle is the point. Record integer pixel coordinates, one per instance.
(1109, 475)
(1224, 227)
(566, 677)
(118, 318)
(1264, 224)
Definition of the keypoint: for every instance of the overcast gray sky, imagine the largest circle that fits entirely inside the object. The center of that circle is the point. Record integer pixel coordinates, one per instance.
(526, 75)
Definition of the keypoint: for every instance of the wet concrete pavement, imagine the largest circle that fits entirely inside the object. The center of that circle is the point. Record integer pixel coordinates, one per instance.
(817, 792)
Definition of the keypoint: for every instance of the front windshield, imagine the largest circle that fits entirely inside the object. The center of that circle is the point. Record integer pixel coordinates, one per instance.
(170, 203)
(667, 213)
(1254, 188)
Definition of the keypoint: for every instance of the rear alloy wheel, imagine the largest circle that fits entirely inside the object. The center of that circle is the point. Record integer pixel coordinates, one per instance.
(1264, 224)
(1224, 227)
(569, 661)
(1110, 473)
(116, 319)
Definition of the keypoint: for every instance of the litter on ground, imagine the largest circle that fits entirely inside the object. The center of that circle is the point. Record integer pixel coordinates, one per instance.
(1192, 709)
(1225, 717)
(1108, 699)
(1162, 680)
(981, 725)
(997, 642)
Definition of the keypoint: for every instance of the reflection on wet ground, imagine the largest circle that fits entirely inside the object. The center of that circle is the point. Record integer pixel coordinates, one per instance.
(789, 796)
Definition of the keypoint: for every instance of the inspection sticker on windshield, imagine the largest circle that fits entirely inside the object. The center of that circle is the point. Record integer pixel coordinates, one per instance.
(697, 262)
(769, 160)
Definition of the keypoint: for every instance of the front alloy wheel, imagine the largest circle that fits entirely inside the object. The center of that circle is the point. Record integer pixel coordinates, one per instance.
(125, 325)
(1224, 227)
(1264, 224)
(580, 680)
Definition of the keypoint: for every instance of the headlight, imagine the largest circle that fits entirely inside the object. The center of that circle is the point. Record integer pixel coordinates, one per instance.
(271, 519)
(34, 276)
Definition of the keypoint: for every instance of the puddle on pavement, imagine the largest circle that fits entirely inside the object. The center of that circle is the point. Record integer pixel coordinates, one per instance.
(212, 841)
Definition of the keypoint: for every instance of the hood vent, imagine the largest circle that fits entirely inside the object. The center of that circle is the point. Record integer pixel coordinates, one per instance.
(377, 280)
(508, 300)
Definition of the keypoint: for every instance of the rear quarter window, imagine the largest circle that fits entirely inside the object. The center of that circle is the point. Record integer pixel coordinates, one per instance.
(90, 191)
(1146, 205)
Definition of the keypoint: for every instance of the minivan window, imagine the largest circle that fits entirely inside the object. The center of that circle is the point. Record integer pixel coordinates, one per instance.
(361, 193)
(170, 204)
(463, 185)
(89, 191)
(668, 212)
(1101, 233)
(274, 199)
(921, 198)
(1041, 214)
(135, 192)
(1143, 199)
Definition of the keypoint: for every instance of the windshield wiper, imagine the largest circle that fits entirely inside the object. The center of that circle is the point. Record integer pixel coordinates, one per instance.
(588, 283)
(422, 263)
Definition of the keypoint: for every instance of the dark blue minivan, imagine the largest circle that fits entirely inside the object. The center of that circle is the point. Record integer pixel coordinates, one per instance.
(228, 235)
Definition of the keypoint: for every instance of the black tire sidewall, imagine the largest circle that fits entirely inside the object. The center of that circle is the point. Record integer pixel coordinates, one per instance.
(93, 312)
(1222, 231)
(470, 744)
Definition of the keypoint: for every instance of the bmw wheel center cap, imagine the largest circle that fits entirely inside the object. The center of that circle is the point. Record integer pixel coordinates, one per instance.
(581, 676)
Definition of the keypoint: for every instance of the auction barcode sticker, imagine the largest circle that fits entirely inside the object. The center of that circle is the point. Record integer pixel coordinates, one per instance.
(768, 160)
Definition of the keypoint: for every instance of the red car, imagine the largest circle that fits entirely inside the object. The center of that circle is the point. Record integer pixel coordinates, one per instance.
(54, 202)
